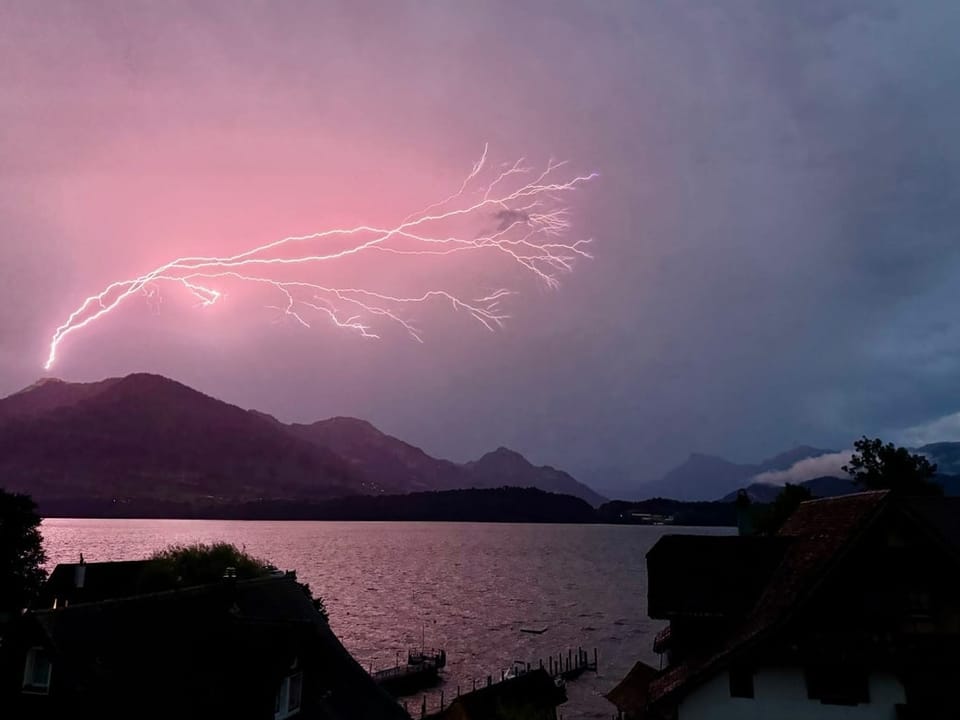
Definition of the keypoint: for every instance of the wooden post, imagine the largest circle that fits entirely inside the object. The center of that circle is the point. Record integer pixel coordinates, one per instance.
(596, 668)
(423, 708)
(541, 663)
(458, 691)
(441, 699)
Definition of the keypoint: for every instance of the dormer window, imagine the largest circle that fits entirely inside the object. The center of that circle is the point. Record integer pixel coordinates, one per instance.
(37, 671)
(287, 702)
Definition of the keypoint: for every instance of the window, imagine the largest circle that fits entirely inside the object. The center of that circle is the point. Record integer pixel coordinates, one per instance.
(36, 672)
(287, 702)
(838, 685)
(741, 683)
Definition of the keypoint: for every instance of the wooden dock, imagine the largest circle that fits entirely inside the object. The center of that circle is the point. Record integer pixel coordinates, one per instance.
(560, 668)
(421, 671)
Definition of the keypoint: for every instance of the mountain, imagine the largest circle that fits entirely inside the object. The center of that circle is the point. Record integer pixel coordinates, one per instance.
(826, 486)
(700, 477)
(506, 467)
(945, 454)
(708, 477)
(146, 438)
(397, 466)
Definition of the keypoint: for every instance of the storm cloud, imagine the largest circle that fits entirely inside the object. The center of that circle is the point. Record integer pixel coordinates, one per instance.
(775, 223)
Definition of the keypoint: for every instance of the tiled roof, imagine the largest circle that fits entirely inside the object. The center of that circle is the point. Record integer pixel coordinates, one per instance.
(632, 693)
(102, 580)
(208, 651)
(707, 575)
(818, 531)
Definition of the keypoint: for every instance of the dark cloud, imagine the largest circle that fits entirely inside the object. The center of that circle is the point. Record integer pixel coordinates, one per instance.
(775, 224)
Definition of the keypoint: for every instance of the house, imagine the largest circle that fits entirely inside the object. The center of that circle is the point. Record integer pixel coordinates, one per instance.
(851, 611)
(90, 582)
(235, 649)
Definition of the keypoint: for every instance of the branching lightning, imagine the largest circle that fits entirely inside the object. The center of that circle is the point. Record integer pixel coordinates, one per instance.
(521, 206)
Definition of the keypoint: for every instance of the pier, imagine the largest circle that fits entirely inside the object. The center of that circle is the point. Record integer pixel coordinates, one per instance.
(558, 668)
(421, 671)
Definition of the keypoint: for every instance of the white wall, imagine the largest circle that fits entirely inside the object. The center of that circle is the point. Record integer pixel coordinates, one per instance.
(781, 694)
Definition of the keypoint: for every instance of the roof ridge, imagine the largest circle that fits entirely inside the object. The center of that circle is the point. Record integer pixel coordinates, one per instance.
(188, 590)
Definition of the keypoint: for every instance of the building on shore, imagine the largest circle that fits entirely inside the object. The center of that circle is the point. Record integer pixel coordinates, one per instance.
(851, 611)
(236, 649)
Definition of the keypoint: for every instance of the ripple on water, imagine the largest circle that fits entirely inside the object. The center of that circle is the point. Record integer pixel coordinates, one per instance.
(465, 587)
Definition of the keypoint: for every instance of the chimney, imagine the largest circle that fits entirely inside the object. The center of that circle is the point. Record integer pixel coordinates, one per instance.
(80, 573)
(744, 516)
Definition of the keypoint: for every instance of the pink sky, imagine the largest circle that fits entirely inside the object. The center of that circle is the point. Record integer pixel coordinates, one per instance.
(744, 153)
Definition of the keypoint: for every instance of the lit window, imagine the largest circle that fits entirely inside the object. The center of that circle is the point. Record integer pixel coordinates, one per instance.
(36, 673)
(287, 702)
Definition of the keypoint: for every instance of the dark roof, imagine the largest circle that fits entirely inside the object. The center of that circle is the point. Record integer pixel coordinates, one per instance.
(818, 532)
(527, 695)
(940, 515)
(207, 651)
(102, 580)
(632, 693)
(709, 576)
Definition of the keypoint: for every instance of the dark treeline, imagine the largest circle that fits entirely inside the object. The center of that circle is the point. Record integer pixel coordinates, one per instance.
(508, 504)
(679, 512)
(487, 505)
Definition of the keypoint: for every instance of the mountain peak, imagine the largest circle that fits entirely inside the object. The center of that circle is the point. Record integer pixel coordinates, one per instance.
(503, 457)
(40, 383)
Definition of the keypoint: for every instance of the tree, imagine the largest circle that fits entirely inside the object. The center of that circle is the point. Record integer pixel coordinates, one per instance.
(878, 466)
(21, 552)
(201, 564)
(775, 515)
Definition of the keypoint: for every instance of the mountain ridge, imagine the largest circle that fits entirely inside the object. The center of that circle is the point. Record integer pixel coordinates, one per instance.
(147, 436)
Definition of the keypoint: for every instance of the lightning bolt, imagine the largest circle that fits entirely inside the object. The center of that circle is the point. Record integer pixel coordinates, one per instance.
(531, 222)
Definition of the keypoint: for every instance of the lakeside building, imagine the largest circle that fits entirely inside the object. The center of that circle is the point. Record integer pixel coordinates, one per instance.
(851, 611)
(255, 649)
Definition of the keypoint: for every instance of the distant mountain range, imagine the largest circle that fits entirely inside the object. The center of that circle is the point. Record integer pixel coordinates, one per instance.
(144, 438)
(708, 477)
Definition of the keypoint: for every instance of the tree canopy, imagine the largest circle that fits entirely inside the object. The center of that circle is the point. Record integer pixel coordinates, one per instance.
(21, 552)
(878, 466)
(775, 515)
(202, 564)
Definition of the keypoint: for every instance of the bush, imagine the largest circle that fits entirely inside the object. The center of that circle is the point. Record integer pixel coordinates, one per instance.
(201, 564)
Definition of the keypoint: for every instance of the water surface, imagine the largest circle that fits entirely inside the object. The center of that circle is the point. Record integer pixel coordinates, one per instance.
(467, 587)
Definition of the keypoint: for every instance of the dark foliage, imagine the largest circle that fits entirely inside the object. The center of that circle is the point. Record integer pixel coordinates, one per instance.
(682, 513)
(771, 517)
(878, 466)
(475, 505)
(21, 552)
(201, 564)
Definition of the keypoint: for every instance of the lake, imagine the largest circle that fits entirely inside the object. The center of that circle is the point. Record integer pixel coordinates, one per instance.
(466, 587)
